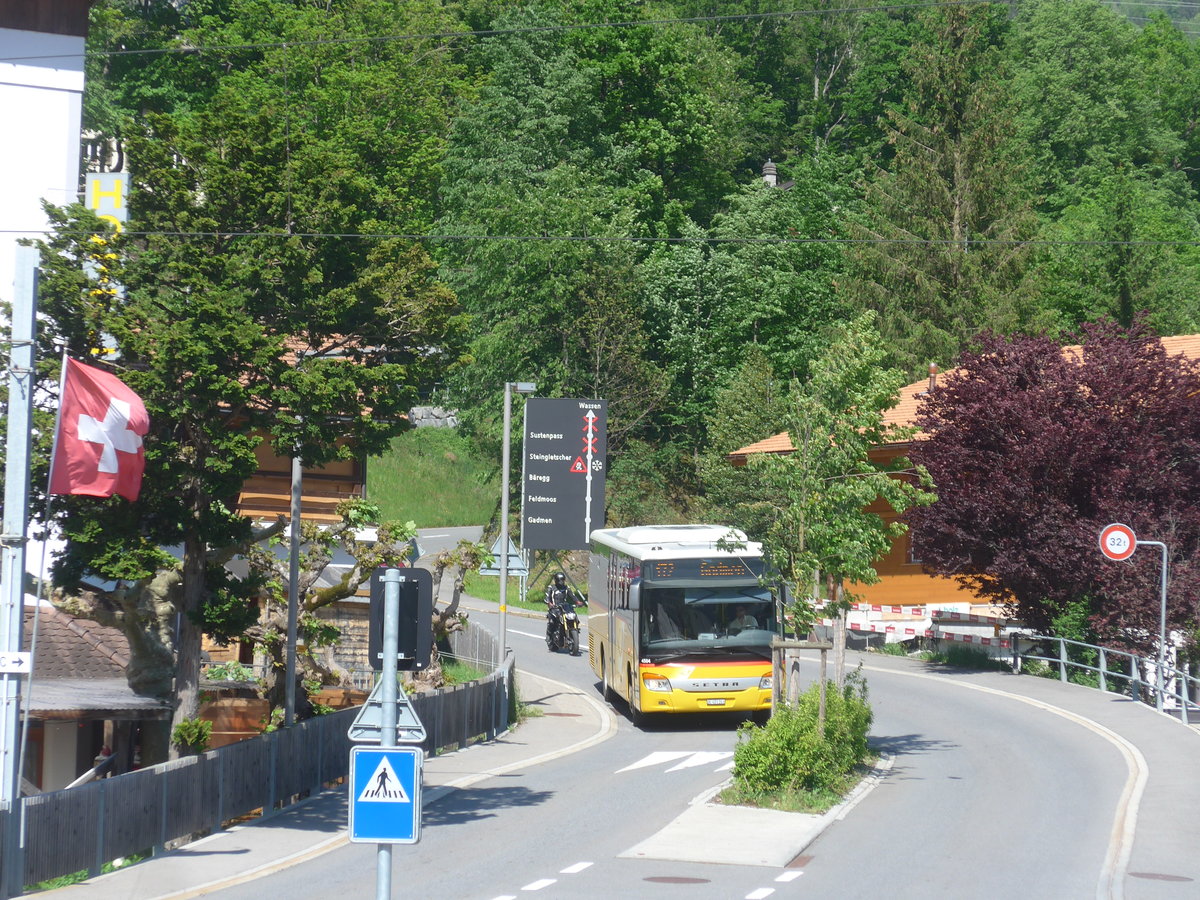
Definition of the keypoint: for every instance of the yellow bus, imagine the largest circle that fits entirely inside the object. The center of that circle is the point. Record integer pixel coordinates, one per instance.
(676, 623)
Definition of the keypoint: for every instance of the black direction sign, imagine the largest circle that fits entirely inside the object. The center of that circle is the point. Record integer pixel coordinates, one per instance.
(565, 446)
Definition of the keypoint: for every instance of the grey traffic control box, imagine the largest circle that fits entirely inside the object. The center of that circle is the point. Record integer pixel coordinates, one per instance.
(416, 619)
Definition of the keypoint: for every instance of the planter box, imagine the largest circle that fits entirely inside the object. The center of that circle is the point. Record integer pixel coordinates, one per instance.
(234, 719)
(340, 698)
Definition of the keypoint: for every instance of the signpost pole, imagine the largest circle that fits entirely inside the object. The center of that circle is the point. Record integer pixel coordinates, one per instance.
(505, 460)
(387, 736)
(1162, 633)
(1162, 624)
(521, 387)
(1118, 542)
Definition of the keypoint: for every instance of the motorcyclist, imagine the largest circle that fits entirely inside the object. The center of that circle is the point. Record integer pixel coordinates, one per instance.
(556, 591)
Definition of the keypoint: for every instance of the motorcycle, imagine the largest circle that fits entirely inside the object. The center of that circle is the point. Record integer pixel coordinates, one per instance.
(563, 633)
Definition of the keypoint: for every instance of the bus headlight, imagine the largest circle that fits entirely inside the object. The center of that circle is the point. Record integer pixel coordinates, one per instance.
(657, 683)
(764, 683)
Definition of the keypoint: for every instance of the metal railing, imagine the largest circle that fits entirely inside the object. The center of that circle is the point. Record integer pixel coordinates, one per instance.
(1115, 670)
(83, 827)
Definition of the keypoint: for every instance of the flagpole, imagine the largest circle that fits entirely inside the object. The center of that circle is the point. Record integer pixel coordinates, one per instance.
(62, 392)
(42, 592)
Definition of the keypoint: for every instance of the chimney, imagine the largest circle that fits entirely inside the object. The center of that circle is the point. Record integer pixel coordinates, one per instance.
(932, 377)
(770, 176)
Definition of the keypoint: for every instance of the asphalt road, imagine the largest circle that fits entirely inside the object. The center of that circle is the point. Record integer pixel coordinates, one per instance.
(988, 794)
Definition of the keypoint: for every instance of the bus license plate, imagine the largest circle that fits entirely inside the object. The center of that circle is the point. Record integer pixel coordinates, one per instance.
(717, 701)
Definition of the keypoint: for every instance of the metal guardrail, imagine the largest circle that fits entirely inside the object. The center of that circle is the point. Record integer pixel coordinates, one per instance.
(1135, 676)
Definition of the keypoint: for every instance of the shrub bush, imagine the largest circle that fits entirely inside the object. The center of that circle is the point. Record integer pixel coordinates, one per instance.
(791, 753)
(192, 735)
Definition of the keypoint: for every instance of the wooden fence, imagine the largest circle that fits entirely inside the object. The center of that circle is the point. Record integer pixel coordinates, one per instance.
(82, 828)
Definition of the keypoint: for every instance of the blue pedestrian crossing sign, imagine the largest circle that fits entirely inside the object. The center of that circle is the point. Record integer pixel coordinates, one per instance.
(385, 795)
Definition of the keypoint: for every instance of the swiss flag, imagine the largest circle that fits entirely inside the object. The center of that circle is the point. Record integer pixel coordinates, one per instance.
(98, 447)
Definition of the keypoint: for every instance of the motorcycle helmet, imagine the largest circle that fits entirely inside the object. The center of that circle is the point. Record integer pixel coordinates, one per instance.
(560, 580)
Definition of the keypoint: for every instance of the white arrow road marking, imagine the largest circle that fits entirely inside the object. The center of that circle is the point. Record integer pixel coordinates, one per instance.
(702, 759)
(689, 759)
(656, 759)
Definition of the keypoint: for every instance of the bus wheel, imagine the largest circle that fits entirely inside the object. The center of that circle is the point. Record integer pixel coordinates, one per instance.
(606, 690)
(635, 714)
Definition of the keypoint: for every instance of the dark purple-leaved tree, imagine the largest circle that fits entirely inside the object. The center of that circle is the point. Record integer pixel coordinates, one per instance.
(1034, 448)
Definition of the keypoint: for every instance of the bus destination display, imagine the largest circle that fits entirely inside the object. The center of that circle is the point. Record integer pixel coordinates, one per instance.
(700, 569)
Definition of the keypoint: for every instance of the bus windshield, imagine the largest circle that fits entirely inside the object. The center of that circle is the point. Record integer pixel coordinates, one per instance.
(707, 620)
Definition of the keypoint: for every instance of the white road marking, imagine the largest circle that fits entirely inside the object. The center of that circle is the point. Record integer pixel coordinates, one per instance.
(656, 759)
(539, 884)
(1124, 827)
(540, 637)
(702, 759)
(760, 894)
(790, 876)
(575, 869)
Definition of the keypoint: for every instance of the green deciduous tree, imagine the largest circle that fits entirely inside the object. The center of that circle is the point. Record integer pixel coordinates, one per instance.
(1126, 246)
(810, 507)
(1086, 103)
(243, 316)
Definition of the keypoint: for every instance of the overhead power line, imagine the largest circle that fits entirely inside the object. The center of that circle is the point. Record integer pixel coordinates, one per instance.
(549, 29)
(625, 239)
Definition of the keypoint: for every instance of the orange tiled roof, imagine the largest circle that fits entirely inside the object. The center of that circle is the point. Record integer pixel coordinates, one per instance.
(904, 413)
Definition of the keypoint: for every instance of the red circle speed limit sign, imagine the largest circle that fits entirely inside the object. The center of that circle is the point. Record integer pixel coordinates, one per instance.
(1117, 541)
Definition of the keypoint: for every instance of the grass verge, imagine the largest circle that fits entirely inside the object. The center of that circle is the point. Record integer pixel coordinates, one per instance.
(432, 477)
(487, 587)
(801, 801)
(965, 658)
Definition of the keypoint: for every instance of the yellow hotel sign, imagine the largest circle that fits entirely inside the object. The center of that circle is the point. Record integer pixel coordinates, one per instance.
(106, 193)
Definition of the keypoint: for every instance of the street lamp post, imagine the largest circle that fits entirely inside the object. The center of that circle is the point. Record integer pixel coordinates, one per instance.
(521, 387)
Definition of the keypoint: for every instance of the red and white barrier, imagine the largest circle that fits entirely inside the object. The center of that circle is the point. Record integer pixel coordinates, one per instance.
(934, 632)
(922, 612)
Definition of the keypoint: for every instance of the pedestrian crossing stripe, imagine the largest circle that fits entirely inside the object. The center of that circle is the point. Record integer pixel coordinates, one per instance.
(383, 786)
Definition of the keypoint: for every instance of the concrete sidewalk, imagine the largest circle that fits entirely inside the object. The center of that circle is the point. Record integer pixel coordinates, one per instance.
(571, 720)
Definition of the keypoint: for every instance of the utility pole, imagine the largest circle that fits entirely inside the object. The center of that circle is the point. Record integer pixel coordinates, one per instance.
(14, 662)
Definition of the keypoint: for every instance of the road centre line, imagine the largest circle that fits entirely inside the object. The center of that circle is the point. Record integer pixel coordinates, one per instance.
(575, 869)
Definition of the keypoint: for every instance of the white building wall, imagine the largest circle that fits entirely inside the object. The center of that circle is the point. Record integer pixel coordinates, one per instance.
(58, 755)
(41, 93)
